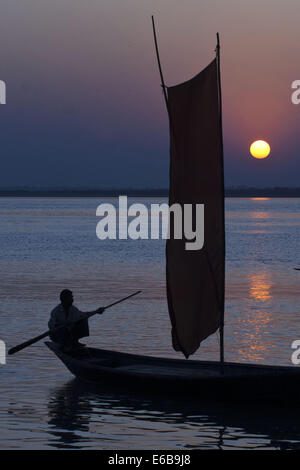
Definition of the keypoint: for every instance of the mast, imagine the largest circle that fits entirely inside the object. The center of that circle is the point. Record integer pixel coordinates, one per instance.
(223, 209)
(159, 65)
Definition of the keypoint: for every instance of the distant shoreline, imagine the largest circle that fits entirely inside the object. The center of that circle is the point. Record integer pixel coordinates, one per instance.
(229, 192)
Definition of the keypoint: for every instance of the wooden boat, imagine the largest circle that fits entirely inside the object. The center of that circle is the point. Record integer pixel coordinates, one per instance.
(159, 376)
(195, 279)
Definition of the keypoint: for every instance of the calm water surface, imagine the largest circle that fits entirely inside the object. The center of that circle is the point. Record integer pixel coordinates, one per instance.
(50, 244)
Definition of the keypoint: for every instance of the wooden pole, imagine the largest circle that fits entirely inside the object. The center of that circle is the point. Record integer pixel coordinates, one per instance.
(159, 65)
(223, 203)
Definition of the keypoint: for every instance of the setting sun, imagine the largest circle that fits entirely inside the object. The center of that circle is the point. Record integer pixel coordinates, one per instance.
(260, 149)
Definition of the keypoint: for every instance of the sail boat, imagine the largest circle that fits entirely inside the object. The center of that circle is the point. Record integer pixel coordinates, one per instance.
(195, 279)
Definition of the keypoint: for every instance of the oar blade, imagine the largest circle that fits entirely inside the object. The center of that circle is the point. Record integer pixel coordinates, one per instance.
(27, 343)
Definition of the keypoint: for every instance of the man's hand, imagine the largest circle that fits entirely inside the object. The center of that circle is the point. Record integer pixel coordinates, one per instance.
(100, 310)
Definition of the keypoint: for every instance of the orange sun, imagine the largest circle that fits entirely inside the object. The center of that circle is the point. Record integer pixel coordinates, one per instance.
(260, 149)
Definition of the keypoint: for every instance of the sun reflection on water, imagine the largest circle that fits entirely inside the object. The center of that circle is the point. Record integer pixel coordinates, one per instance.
(254, 324)
(260, 286)
(259, 198)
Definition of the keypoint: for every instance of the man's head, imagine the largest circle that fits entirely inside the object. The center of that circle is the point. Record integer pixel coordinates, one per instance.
(66, 298)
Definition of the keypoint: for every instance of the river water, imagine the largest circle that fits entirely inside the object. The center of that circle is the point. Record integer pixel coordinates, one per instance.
(48, 244)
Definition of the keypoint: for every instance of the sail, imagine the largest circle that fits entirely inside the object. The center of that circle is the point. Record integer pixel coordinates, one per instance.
(195, 278)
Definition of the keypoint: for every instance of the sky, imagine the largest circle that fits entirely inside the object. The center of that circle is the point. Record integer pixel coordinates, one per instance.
(84, 103)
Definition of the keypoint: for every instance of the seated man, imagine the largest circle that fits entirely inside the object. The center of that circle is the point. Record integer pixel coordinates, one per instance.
(66, 314)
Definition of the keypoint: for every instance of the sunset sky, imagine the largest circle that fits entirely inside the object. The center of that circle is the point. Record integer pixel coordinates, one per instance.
(84, 103)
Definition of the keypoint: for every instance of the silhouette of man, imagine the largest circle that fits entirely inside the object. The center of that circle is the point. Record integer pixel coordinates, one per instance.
(67, 314)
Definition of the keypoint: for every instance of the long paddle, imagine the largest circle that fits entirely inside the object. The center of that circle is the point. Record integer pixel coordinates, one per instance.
(47, 333)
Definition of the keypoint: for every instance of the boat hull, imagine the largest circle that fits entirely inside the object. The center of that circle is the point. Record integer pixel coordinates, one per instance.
(207, 379)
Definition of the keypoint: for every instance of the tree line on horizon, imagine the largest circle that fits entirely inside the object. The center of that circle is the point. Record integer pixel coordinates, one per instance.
(239, 191)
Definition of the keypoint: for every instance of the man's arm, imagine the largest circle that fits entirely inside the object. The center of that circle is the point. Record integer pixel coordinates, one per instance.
(53, 322)
(82, 315)
(99, 310)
